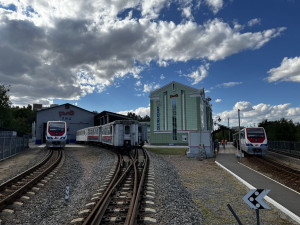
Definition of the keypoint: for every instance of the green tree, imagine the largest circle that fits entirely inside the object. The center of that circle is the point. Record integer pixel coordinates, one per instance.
(22, 119)
(138, 117)
(280, 130)
(5, 104)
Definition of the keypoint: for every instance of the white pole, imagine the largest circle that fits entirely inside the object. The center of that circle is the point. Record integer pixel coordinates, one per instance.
(239, 134)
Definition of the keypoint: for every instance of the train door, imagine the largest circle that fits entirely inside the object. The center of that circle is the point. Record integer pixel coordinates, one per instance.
(127, 136)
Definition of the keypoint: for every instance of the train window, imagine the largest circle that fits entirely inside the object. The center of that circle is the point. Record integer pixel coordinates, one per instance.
(127, 129)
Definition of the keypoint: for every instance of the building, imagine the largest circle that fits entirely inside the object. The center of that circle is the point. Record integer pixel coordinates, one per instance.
(76, 118)
(106, 117)
(178, 112)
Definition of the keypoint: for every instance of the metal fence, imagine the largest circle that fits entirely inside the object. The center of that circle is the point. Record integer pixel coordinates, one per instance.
(286, 146)
(10, 146)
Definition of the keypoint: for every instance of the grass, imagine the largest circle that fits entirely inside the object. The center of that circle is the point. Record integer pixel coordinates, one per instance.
(168, 151)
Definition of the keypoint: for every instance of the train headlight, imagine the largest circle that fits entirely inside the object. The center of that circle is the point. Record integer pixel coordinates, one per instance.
(249, 144)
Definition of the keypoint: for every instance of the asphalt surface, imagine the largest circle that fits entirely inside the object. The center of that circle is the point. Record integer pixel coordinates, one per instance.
(285, 198)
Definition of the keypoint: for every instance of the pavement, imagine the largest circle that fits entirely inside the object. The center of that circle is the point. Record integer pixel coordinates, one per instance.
(282, 197)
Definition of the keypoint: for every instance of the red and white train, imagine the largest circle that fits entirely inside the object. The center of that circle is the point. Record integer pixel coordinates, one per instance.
(253, 141)
(56, 134)
(125, 134)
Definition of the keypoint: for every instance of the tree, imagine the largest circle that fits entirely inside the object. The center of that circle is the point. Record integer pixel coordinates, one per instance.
(280, 130)
(138, 117)
(5, 104)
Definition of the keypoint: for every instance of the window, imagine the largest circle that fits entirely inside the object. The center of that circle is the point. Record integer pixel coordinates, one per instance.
(165, 118)
(174, 122)
(183, 109)
(157, 119)
(127, 129)
(173, 87)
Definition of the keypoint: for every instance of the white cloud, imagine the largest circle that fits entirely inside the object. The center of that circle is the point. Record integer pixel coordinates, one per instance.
(61, 40)
(199, 74)
(162, 77)
(215, 5)
(218, 100)
(142, 111)
(243, 106)
(138, 83)
(289, 70)
(229, 84)
(255, 114)
(254, 22)
(149, 87)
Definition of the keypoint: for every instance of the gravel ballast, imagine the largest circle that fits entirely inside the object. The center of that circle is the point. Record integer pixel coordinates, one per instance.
(187, 191)
(84, 170)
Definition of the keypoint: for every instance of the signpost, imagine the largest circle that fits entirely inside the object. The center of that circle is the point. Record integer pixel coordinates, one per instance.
(254, 199)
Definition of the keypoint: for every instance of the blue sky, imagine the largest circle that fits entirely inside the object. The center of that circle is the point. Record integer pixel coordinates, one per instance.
(102, 55)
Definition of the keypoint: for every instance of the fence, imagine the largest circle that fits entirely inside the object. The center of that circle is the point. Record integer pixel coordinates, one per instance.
(10, 146)
(286, 146)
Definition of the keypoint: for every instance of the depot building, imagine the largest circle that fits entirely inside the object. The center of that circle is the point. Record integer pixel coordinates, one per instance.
(181, 115)
(75, 117)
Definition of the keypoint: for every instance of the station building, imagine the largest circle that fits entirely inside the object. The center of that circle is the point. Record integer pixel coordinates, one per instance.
(177, 112)
(75, 117)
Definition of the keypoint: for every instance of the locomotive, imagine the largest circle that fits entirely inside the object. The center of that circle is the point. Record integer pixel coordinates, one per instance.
(56, 134)
(253, 141)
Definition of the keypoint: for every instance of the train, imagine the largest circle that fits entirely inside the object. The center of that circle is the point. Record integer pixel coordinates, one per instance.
(56, 134)
(253, 141)
(119, 134)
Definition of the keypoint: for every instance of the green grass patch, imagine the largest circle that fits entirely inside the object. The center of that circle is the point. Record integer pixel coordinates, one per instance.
(168, 151)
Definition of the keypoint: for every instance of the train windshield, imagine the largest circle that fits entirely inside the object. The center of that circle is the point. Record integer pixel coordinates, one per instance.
(56, 127)
(255, 133)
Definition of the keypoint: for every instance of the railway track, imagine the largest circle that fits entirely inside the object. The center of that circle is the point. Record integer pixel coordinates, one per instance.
(281, 172)
(283, 152)
(14, 188)
(120, 200)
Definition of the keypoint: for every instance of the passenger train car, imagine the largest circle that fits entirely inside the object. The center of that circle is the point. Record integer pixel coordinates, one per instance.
(125, 134)
(56, 134)
(253, 141)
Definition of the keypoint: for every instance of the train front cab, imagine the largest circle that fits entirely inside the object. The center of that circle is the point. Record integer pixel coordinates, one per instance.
(254, 141)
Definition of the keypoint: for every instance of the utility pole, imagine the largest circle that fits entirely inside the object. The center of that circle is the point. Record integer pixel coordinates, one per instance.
(228, 130)
(239, 134)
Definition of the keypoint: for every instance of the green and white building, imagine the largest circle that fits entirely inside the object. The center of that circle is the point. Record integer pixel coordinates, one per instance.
(177, 111)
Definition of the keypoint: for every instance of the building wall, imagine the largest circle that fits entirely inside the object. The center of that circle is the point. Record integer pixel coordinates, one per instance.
(75, 117)
(188, 114)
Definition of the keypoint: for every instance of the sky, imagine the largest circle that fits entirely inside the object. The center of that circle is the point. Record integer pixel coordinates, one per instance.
(109, 55)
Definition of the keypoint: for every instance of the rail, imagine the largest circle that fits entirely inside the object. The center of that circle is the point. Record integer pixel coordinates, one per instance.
(102, 211)
(18, 185)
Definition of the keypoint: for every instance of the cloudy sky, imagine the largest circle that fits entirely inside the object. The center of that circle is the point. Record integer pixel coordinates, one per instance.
(108, 55)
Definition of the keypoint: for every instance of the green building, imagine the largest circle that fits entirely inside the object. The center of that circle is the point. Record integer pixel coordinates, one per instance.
(176, 111)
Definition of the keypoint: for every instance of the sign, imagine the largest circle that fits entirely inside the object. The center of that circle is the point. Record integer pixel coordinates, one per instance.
(67, 193)
(254, 198)
(173, 96)
(71, 113)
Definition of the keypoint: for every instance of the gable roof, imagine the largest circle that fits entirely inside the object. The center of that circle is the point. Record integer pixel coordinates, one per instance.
(152, 93)
(103, 113)
(42, 110)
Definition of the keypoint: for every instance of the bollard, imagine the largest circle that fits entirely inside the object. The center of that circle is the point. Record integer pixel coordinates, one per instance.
(67, 194)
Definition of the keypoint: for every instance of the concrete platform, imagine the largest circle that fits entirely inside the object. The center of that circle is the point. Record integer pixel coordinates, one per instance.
(282, 197)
